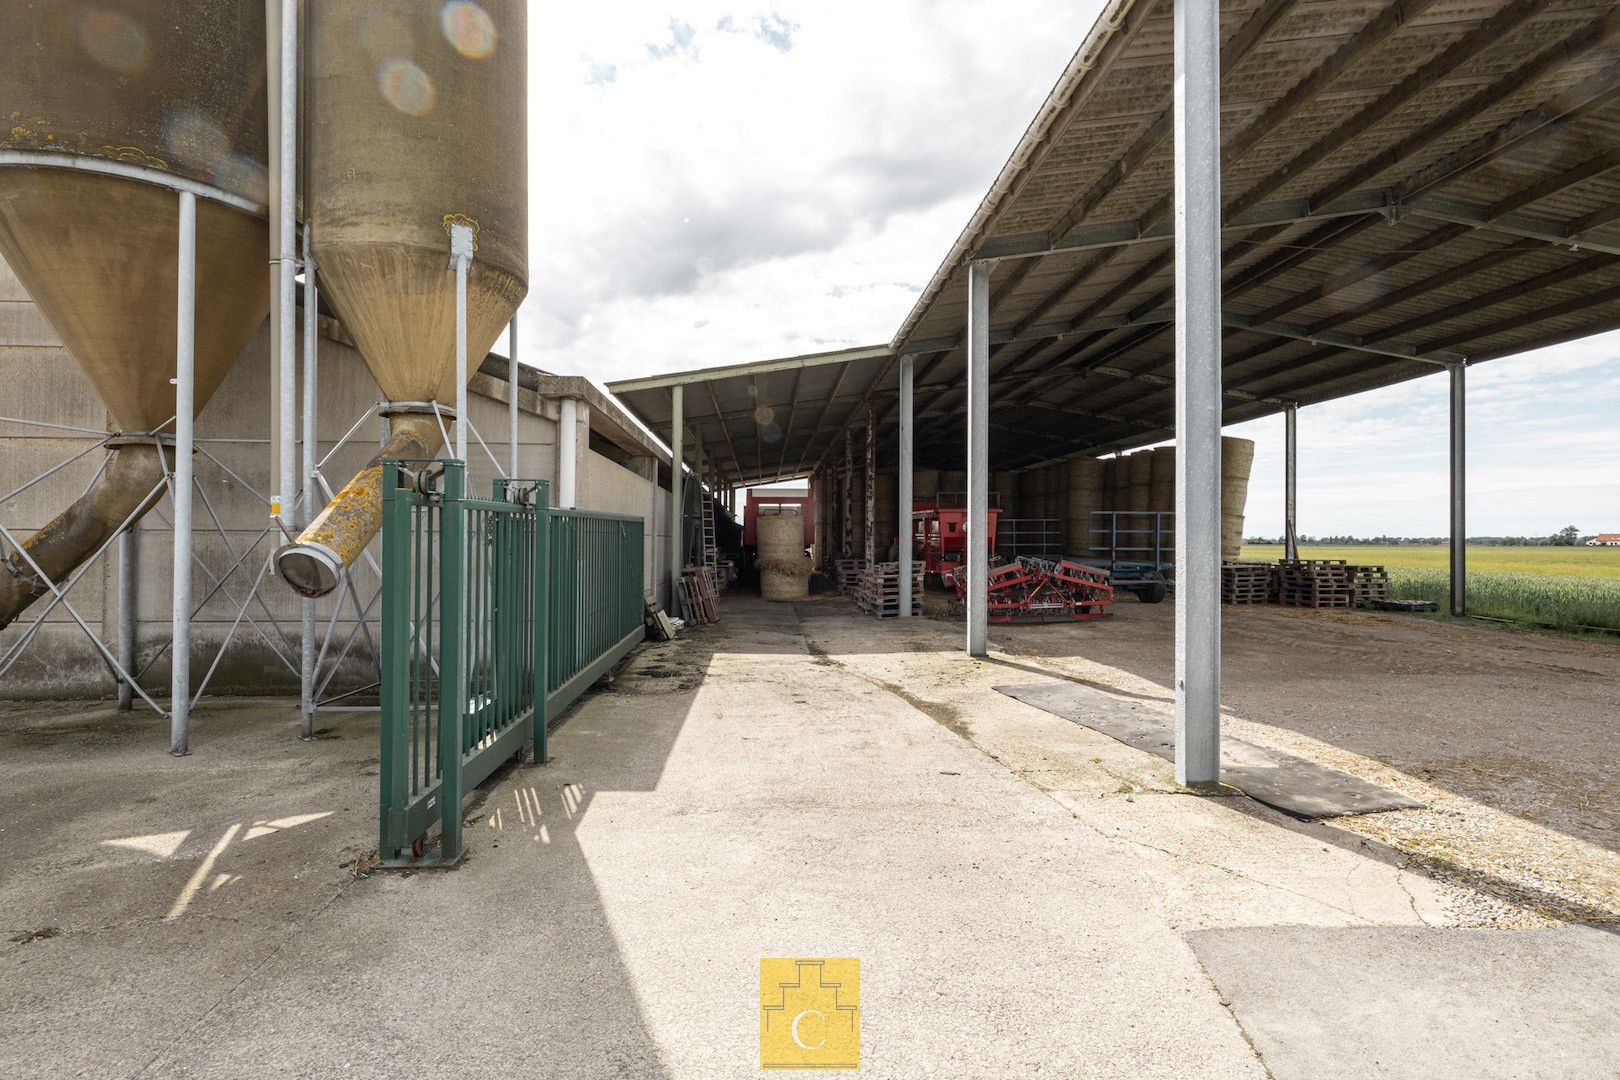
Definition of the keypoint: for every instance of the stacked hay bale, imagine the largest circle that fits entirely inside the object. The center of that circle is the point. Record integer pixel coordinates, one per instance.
(1162, 479)
(1085, 494)
(784, 568)
(857, 514)
(887, 515)
(1004, 490)
(1031, 494)
(1119, 481)
(953, 484)
(1139, 481)
(1237, 458)
(925, 485)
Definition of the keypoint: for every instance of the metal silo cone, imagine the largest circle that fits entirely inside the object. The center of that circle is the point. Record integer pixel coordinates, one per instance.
(417, 122)
(174, 91)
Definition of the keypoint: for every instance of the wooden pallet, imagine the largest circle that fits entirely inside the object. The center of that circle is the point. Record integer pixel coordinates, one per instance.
(1247, 582)
(1315, 583)
(1369, 585)
(879, 591)
(695, 591)
(848, 573)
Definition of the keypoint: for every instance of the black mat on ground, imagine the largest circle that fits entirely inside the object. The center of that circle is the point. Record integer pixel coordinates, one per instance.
(1282, 780)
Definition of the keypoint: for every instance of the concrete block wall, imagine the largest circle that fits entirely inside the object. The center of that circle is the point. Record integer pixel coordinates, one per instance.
(233, 469)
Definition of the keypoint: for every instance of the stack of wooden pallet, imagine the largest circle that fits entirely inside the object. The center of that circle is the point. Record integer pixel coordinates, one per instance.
(1369, 585)
(1246, 581)
(695, 591)
(880, 593)
(849, 573)
(1315, 583)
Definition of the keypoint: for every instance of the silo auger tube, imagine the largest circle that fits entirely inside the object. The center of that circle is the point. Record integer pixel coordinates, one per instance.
(314, 563)
(129, 486)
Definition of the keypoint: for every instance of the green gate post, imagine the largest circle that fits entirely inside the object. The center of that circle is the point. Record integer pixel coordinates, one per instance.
(452, 658)
(396, 632)
(542, 617)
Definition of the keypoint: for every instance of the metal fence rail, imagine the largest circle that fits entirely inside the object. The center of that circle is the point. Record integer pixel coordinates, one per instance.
(489, 606)
(597, 601)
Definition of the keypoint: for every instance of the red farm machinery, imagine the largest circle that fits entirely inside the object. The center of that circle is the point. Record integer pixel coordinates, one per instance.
(1029, 589)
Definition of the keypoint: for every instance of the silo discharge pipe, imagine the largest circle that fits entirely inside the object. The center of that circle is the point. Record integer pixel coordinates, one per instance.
(126, 489)
(314, 563)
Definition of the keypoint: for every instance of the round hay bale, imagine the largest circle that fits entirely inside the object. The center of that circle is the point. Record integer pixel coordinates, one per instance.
(1139, 481)
(924, 484)
(1162, 479)
(1004, 492)
(1237, 460)
(784, 568)
(1085, 495)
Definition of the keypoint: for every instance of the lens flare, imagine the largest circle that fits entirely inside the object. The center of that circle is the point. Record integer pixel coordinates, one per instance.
(406, 87)
(195, 140)
(114, 40)
(469, 29)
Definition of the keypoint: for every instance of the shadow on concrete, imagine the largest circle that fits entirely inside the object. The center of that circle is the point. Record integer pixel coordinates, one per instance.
(204, 914)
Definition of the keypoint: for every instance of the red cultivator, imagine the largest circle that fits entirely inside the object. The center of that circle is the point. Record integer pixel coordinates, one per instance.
(1039, 590)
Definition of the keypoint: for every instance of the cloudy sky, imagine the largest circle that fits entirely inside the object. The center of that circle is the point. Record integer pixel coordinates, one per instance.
(718, 182)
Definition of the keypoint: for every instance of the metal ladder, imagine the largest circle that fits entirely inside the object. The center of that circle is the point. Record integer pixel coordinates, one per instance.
(711, 552)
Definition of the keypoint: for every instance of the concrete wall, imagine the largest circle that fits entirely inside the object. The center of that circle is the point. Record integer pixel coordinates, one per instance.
(232, 467)
(620, 490)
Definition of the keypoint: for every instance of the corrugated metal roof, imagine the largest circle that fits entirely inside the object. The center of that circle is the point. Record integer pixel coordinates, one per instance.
(1407, 183)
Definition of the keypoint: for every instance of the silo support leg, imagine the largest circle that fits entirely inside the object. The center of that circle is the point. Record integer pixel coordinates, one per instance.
(184, 397)
(310, 503)
(128, 582)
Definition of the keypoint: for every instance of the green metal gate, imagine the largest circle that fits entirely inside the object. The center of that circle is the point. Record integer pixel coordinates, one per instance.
(490, 608)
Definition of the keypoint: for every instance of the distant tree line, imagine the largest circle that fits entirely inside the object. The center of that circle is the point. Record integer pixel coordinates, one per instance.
(1568, 536)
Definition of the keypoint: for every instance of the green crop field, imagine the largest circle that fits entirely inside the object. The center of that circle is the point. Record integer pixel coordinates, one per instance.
(1560, 586)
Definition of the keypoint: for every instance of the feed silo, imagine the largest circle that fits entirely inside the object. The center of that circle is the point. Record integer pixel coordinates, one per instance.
(416, 124)
(112, 107)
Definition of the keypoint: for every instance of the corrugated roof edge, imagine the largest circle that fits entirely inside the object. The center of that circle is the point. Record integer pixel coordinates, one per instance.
(1103, 34)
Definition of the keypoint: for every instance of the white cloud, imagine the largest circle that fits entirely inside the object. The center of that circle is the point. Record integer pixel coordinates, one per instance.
(715, 181)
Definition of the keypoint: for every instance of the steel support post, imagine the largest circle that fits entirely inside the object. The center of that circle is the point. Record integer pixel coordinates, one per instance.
(1459, 492)
(1198, 390)
(1291, 482)
(128, 593)
(311, 505)
(512, 399)
(567, 454)
(978, 459)
(281, 24)
(903, 484)
(185, 376)
(461, 257)
(869, 490)
(677, 509)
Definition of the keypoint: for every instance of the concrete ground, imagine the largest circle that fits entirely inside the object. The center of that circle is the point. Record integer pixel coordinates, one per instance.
(1026, 896)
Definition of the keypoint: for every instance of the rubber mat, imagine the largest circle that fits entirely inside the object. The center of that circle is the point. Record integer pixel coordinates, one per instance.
(1285, 781)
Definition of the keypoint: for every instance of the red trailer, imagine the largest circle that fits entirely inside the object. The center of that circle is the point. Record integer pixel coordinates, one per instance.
(939, 536)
